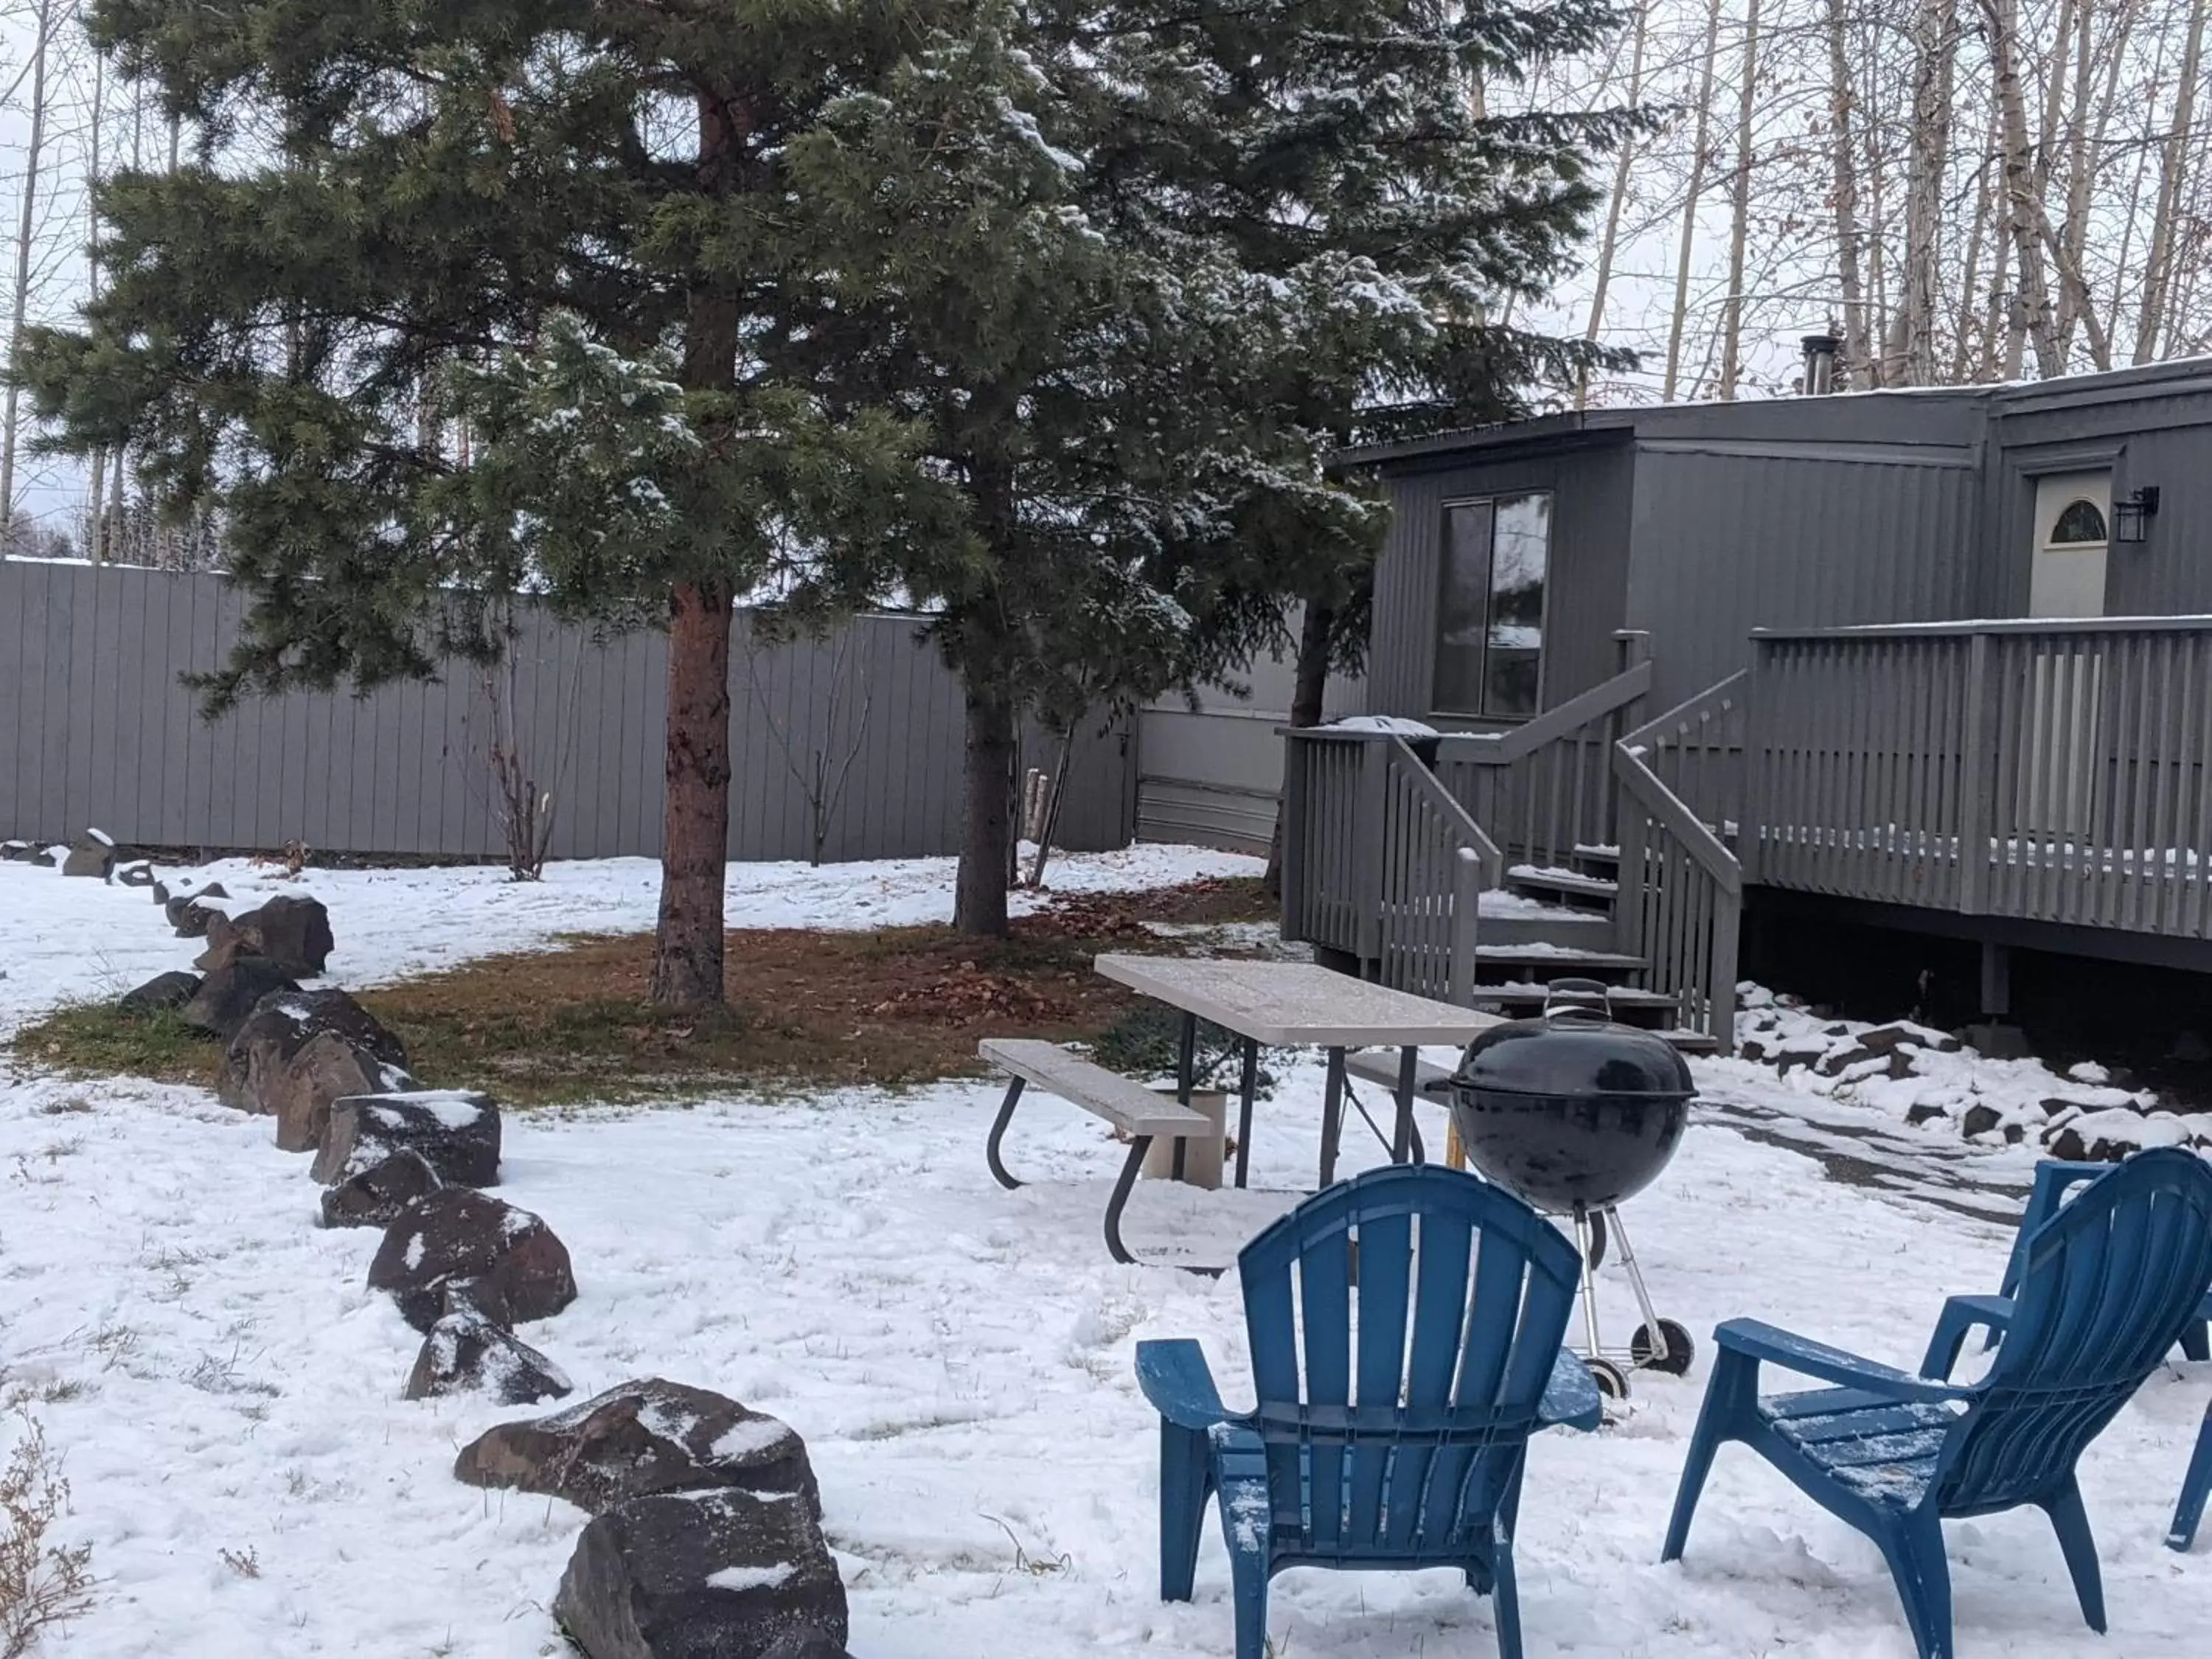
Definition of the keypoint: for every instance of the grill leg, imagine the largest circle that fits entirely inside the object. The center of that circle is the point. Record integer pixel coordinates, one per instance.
(1590, 1284)
(1120, 1201)
(998, 1133)
(1332, 1116)
(1635, 1283)
(1405, 1144)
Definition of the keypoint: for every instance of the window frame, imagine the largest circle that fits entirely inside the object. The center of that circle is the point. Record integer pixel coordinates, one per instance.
(1493, 499)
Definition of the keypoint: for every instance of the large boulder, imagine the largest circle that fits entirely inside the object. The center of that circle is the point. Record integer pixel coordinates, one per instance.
(293, 932)
(15, 852)
(650, 1435)
(714, 1575)
(49, 858)
(380, 1195)
(455, 1131)
(137, 872)
(91, 858)
(299, 1051)
(458, 1235)
(230, 995)
(190, 911)
(466, 1353)
(161, 993)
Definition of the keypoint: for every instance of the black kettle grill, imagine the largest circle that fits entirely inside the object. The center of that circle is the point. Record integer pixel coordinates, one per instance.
(1576, 1114)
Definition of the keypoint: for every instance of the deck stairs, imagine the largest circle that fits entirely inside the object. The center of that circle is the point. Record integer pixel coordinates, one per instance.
(1547, 924)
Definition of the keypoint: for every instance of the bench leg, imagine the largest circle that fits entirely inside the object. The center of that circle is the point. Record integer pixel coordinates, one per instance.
(1332, 1116)
(1120, 1201)
(999, 1134)
(1251, 1087)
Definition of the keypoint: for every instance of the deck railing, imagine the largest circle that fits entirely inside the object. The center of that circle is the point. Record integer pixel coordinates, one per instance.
(1546, 787)
(2047, 771)
(1680, 904)
(1380, 862)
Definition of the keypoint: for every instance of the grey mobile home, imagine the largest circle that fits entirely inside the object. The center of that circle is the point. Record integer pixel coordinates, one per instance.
(1940, 659)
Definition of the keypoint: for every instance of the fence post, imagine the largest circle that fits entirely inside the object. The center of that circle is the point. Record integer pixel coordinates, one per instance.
(1728, 925)
(1978, 763)
(1371, 809)
(1291, 805)
(1751, 812)
(1466, 909)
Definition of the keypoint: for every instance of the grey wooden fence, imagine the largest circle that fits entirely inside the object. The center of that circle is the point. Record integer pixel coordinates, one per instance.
(95, 729)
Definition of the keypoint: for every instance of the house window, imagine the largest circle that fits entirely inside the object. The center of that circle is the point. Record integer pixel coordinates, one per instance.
(2081, 521)
(1489, 611)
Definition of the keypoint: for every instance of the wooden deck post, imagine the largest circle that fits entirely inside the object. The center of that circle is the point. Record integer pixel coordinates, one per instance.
(1977, 766)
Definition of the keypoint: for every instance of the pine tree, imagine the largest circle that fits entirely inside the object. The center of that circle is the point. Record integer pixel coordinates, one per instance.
(1136, 271)
(560, 221)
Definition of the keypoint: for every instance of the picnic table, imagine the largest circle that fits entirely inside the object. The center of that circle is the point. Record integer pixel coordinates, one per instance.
(1297, 1005)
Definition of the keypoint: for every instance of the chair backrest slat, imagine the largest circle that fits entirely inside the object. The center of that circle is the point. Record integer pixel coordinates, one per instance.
(1394, 1410)
(2106, 1286)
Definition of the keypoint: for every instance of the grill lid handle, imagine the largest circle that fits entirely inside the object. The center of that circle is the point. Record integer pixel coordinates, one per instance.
(1584, 999)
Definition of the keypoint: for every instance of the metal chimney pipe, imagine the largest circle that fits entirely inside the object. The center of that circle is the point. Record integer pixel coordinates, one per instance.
(1819, 364)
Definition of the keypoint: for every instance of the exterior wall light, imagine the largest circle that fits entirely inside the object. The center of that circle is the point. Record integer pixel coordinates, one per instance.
(2131, 517)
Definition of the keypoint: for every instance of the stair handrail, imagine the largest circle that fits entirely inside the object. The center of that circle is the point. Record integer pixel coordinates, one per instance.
(1564, 720)
(1449, 807)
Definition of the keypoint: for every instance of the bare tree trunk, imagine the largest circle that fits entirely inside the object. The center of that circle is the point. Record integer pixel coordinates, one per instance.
(1697, 189)
(687, 956)
(2024, 211)
(2073, 299)
(1970, 304)
(1936, 49)
(1308, 699)
(1858, 353)
(25, 229)
(1739, 208)
(1613, 205)
(2158, 276)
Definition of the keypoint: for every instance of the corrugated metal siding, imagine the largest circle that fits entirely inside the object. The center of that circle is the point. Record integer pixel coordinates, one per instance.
(1211, 774)
(1727, 542)
(2153, 438)
(1591, 490)
(96, 730)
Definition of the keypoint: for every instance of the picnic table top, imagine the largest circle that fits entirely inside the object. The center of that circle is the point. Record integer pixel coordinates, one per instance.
(1295, 1005)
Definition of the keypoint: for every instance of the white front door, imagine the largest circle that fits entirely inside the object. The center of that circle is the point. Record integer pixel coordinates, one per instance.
(2073, 516)
(2058, 780)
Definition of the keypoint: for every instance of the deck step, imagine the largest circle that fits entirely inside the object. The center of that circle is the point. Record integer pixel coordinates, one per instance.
(1692, 1043)
(1568, 887)
(1654, 1010)
(1541, 963)
(1551, 924)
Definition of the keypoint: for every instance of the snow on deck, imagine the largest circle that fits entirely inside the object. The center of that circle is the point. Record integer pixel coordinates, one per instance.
(959, 1359)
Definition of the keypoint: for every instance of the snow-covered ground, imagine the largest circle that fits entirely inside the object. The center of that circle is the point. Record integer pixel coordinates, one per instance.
(958, 1357)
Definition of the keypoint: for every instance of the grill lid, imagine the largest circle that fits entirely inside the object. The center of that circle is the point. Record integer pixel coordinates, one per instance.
(1573, 1054)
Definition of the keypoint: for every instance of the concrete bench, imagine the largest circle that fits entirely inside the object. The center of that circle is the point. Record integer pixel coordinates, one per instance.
(1142, 1113)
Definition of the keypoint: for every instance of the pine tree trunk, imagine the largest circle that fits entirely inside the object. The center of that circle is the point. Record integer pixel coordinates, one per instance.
(979, 902)
(687, 957)
(687, 951)
(1308, 698)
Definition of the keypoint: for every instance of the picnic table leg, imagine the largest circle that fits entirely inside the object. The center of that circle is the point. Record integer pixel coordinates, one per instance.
(1332, 1116)
(1406, 1144)
(998, 1134)
(1251, 1087)
(1120, 1201)
(1185, 1078)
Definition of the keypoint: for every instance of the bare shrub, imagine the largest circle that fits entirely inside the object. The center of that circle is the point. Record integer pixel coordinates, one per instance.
(42, 1583)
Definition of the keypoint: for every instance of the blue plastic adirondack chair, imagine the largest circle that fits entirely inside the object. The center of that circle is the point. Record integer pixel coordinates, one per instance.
(2105, 1288)
(1961, 1313)
(1374, 1445)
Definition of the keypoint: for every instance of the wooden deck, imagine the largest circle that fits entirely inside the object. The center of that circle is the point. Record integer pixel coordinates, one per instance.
(2057, 774)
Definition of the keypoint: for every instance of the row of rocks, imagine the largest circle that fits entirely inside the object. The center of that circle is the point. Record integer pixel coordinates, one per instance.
(1933, 1079)
(706, 1540)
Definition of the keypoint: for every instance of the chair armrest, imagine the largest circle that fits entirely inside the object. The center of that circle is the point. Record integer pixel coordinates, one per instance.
(1571, 1396)
(1968, 1311)
(1175, 1378)
(1755, 1340)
